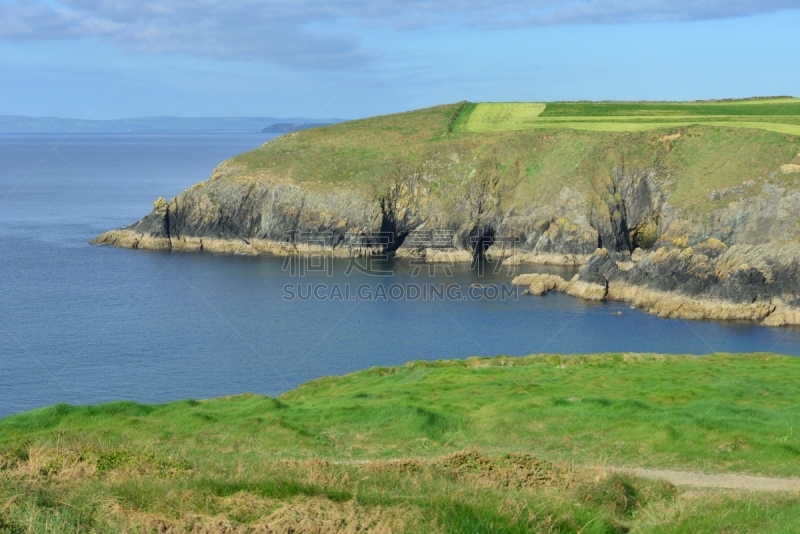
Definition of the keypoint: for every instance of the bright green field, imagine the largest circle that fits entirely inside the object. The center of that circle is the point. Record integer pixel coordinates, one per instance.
(772, 114)
(319, 451)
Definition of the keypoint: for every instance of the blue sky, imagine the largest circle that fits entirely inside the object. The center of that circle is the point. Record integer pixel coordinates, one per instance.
(354, 58)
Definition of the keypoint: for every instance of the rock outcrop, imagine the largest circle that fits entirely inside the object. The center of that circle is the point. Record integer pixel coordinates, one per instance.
(672, 284)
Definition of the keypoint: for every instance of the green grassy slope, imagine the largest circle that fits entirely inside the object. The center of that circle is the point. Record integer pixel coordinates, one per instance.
(718, 413)
(527, 164)
(355, 151)
(191, 461)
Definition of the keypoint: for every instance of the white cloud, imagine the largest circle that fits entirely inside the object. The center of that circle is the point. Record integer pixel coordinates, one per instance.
(321, 33)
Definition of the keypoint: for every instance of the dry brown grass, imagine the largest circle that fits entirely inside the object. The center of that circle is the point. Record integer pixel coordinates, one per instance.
(36, 464)
(318, 514)
(71, 464)
(515, 471)
(299, 515)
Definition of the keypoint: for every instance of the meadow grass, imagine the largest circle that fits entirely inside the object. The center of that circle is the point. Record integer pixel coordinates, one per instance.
(778, 115)
(492, 116)
(644, 125)
(745, 107)
(481, 445)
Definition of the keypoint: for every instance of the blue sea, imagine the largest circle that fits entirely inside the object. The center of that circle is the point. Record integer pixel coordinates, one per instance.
(85, 324)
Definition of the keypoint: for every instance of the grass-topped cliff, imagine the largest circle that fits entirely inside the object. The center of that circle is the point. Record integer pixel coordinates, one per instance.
(709, 192)
(533, 150)
(482, 445)
(526, 153)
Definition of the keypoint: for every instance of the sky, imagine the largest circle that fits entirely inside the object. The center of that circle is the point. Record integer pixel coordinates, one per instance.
(105, 59)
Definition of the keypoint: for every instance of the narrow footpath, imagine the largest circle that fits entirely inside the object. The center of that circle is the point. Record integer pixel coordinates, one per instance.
(721, 481)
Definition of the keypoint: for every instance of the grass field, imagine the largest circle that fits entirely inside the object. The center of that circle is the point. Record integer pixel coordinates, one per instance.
(773, 114)
(488, 445)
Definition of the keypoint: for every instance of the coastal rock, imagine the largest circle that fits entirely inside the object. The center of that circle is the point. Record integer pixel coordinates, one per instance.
(540, 284)
(600, 269)
(663, 303)
(565, 260)
(586, 290)
(742, 292)
(783, 315)
(676, 305)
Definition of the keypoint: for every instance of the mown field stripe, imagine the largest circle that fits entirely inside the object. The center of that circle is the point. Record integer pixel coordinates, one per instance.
(515, 116)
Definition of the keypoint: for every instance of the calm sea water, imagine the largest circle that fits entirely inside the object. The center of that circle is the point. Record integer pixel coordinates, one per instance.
(84, 324)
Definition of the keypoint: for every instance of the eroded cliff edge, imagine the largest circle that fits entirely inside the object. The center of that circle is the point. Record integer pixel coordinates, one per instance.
(708, 216)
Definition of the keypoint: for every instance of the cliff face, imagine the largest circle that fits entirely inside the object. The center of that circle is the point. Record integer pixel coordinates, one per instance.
(243, 211)
(707, 213)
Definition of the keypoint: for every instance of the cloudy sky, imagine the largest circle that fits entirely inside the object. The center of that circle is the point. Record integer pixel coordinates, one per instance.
(354, 58)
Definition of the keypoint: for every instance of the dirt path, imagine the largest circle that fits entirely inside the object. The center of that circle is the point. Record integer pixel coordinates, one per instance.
(725, 481)
(685, 479)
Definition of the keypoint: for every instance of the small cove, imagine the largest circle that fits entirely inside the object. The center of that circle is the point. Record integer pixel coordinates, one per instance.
(84, 324)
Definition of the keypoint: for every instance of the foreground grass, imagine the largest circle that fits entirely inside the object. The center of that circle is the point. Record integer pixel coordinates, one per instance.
(536, 432)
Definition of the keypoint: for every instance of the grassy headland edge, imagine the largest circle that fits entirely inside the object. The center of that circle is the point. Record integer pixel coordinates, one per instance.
(717, 413)
(479, 445)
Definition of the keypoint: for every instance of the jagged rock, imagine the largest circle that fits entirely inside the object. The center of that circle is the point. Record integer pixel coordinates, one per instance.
(673, 270)
(600, 269)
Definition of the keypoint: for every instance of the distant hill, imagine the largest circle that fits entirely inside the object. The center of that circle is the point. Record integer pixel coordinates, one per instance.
(285, 127)
(19, 124)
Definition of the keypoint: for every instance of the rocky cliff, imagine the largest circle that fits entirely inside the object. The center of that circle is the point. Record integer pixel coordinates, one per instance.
(701, 214)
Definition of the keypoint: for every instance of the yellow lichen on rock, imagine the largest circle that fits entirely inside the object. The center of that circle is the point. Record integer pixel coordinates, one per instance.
(541, 284)
(538, 258)
(586, 290)
(662, 303)
(783, 315)
(676, 305)
(711, 246)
